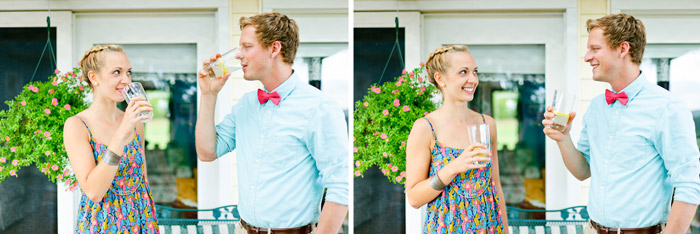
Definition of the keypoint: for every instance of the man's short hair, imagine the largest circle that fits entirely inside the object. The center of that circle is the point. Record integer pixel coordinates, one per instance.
(622, 27)
(273, 26)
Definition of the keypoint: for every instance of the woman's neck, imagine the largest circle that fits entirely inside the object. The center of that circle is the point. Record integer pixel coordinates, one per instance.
(105, 109)
(457, 111)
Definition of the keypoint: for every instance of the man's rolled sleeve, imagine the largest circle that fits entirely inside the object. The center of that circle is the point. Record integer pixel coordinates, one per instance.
(327, 143)
(584, 145)
(226, 135)
(676, 142)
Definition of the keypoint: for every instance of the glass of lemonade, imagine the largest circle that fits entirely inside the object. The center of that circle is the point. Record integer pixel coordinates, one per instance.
(562, 105)
(135, 89)
(226, 64)
(479, 133)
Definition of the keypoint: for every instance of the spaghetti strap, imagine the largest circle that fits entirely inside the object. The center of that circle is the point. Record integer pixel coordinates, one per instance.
(483, 118)
(81, 120)
(431, 128)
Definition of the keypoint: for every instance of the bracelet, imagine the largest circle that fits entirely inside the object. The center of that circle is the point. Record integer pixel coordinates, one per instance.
(110, 158)
(436, 183)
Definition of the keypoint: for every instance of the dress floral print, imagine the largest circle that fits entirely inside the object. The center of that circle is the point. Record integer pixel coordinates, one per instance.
(128, 206)
(469, 204)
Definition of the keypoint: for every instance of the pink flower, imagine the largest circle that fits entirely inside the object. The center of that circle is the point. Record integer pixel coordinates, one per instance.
(395, 91)
(56, 71)
(67, 107)
(30, 87)
(47, 134)
(366, 104)
(355, 150)
(422, 89)
(65, 172)
(358, 163)
(421, 64)
(13, 173)
(35, 89)
(353, 139)
(357, 173)
(425, 113)
(54, 167)
(47, 153)
(0, 168)
(403, 72)
(397, 103)
(385, 154)
(54, 83)
(383, 136)
(406, 108)
(24, 103)
(385, 112)
(394, 168)
(398, 83)
(420, 79)
(47, 111)
(7, 138)
(51, 91)
(384, 171)
(403, 143)
(80, 87)
(15, 162)
(375, 133)
(398, 178)
(377, 90)
(54, 101)
(59, 177)
(12, 149)
(410, 74)
(3, 160)
(403, 173)
(44, 170)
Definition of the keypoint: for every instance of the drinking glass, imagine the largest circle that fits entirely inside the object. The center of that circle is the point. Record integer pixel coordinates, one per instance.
(479, 133)
(135, 89)
(226, 64)
(562, 105)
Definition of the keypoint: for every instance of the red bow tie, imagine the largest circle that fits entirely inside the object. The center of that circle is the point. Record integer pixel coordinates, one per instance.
(610, 97)
(264, 96)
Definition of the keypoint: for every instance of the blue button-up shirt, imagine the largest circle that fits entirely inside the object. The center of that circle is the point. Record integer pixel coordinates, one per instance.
(637, 154)
(287, 155)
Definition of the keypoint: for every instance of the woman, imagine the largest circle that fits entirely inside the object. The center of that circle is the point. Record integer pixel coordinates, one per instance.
(106, 149)
(462, 197)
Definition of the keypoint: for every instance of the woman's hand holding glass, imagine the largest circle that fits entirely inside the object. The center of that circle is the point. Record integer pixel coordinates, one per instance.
(473, 157)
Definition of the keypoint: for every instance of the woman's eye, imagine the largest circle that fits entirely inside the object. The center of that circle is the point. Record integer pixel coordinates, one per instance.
(128, 73)
(463, 72)
(116, 72)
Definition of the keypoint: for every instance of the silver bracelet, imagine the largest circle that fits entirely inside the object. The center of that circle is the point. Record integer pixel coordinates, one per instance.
(110, 158)
(436, 183)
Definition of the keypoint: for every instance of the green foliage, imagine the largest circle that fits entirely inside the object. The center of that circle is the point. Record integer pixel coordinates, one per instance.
(384, 118)
(31, 130)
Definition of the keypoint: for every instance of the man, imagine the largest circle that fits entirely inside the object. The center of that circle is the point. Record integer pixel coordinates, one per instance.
(637, 143)
(291, 139)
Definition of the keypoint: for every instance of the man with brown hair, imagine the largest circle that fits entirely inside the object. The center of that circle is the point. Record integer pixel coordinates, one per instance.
(291, 140)
(637, 143)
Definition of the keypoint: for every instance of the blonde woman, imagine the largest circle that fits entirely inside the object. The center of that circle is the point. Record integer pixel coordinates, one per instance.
(461, 196)
(106, 149)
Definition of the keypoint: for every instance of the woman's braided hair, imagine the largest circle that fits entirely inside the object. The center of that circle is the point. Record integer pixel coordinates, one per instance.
(438, 61)
(93, 60)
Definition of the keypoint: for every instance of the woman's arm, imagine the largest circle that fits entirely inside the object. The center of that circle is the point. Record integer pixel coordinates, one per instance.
(418, 158)
(496, 174)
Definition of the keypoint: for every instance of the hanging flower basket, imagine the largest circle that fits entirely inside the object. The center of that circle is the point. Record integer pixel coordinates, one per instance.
(31, 130)
(383, 120)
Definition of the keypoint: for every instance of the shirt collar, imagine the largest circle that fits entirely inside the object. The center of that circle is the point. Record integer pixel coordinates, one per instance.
(286, 87)
(633, 88)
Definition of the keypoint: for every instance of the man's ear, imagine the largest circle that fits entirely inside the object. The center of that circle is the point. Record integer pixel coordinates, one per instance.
(624, 49)
(276, 48)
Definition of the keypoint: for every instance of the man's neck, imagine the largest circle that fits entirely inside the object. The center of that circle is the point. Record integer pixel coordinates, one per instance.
(627, 75)
(276, 77)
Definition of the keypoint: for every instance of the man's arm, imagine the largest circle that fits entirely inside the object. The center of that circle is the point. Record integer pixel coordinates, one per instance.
(332, 217)
(205, 130)
(680, 217)
(573, 159)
